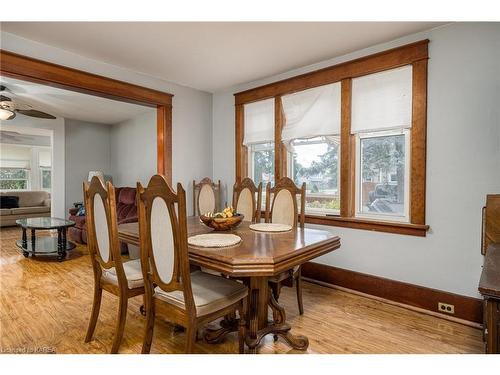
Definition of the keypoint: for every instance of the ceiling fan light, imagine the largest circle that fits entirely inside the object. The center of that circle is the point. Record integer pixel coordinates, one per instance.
(6, 114)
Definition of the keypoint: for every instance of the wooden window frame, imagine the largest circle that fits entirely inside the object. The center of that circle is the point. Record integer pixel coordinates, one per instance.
(415, 54)
(46, 73)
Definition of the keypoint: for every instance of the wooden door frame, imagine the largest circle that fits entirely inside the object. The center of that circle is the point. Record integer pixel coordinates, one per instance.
(29, 69)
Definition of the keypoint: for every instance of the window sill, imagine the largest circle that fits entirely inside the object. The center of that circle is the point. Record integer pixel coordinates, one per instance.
(368, 224)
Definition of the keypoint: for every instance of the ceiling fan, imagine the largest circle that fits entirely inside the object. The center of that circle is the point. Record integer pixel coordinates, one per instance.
(9, 107)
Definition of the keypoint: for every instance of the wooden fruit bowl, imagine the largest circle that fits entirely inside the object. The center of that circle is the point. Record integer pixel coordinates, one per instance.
(220, 224)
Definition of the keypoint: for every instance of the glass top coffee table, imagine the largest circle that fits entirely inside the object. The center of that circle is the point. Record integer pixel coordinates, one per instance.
(45, 245)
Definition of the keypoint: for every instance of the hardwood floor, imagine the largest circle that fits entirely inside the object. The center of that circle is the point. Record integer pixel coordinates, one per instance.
(45, 306)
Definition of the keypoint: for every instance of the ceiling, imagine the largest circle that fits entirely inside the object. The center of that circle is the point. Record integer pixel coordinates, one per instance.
(211, 56)
(69, 104)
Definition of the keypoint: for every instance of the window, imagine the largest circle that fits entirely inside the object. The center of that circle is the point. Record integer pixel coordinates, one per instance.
(45, 167)
(259, 140)
(46, 178)
(350, 132)
(14, 179)
(261, 162)
(316, 162)
(311, 135)
(382, 173)
(381, 118)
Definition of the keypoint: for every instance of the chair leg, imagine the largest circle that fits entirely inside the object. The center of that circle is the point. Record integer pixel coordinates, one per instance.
(298, 285)
(120, 324)
(96, 306)
(190, 337)
(148, 327)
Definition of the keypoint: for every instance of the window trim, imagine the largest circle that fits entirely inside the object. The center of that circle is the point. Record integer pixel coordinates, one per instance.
(415, 54)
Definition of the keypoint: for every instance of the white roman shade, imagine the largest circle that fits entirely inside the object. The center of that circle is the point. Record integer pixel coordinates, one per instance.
(15, 164)
(44, 159)
(259, 122)
(311, 113)
(382, 101)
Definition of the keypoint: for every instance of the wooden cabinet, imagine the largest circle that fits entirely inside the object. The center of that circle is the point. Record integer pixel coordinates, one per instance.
(489, 284)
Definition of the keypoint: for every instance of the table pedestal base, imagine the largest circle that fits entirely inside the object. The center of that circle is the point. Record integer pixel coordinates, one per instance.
(259, 326)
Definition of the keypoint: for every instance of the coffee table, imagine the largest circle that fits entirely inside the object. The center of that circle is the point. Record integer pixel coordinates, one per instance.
(45, 245)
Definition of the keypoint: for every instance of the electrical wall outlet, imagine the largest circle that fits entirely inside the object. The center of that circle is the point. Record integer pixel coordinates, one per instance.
(446, 308)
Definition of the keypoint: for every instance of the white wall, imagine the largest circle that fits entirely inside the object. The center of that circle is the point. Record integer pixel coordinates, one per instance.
(191, 115)
(87, 149)
(133, 150)
(463, 162)
(56, 130)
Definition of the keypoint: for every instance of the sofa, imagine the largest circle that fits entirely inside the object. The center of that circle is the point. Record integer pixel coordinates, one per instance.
(31, 204)
(126, 212)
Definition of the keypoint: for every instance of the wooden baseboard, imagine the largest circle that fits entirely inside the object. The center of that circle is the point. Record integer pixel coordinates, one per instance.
(466, 308)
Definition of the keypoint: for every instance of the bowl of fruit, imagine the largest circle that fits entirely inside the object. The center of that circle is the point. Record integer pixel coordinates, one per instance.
(225, 220)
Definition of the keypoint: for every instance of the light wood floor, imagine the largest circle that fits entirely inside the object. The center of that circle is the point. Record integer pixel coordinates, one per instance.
(45, 305)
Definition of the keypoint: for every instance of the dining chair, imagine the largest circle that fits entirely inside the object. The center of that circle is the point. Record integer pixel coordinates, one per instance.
(284, 210)
(206, 195)
(247, 199)
(187, 299)
(111, 273)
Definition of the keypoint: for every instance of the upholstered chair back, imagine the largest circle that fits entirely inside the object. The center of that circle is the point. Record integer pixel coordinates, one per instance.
(163, 237)
(206, 199)
(247, 199)
(284, 208)
(102, 227)
(205, 196)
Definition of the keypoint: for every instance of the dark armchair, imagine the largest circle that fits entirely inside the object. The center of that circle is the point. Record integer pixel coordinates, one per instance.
(126, 212)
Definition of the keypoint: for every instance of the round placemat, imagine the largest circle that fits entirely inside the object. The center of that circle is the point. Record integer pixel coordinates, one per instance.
(270, 227)
(214, 240)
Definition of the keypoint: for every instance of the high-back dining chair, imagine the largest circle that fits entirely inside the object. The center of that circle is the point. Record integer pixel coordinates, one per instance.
(245, 201)
(123, 279)
(206, 195)
(188, 299)
(284, 210)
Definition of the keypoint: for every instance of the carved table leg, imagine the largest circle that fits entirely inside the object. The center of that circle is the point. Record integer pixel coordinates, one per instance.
(283, 329)
(262, 299)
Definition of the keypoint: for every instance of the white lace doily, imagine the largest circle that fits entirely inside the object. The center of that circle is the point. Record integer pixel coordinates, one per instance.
(270, 227)
(214, 240)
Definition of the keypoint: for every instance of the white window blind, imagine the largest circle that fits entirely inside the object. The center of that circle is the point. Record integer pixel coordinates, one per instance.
(259, 122)
(311, 113)
(382, 100)
(15, 164)
(44, 159)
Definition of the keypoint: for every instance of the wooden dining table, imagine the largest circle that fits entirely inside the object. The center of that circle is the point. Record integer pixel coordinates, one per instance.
(259, 256)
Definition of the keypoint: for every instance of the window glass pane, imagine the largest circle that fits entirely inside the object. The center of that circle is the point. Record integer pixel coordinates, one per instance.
(261, 168)
(383, 175)
(46, 179)
(13, 179)
(315, 161)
